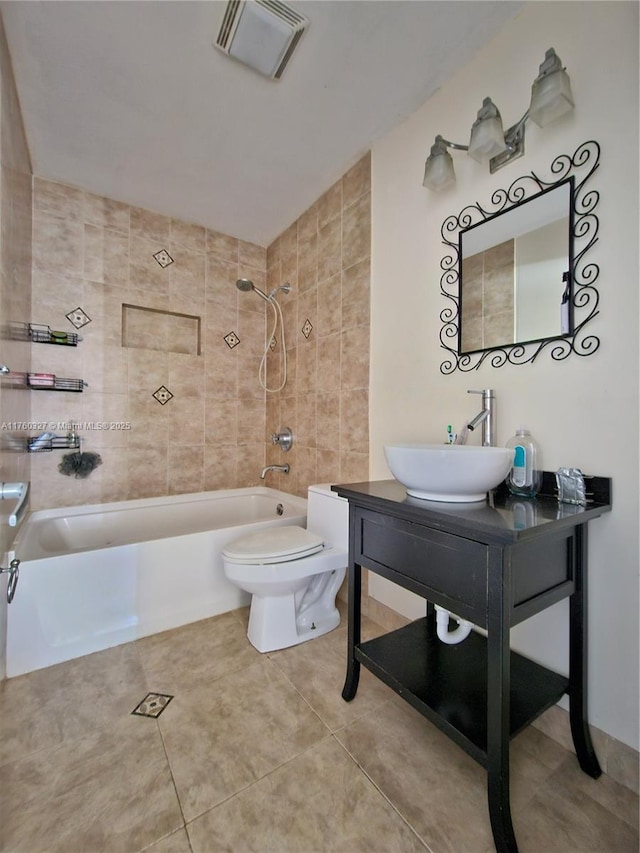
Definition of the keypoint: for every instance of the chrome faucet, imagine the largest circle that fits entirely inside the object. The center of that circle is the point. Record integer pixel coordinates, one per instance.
(18, 492)
(487, 417)
(284, 469)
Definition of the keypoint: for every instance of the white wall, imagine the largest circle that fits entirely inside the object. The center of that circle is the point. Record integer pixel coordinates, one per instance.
(584, 410)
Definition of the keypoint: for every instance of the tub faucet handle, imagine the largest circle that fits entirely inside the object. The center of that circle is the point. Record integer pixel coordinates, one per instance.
(284, 438)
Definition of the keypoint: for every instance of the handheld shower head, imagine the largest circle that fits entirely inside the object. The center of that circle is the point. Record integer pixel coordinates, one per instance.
(246, 285)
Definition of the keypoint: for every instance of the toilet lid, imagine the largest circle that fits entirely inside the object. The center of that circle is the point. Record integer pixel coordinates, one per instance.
(273, 545)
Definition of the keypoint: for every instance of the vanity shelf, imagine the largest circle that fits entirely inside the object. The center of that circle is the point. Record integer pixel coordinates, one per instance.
(50, 382)
(448, 685)
(41, 334)
(494, 564)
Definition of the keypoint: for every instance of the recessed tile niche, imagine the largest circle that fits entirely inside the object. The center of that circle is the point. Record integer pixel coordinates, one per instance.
(168, 331)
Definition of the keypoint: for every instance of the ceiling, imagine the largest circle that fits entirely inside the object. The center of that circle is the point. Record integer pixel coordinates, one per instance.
(131, 101)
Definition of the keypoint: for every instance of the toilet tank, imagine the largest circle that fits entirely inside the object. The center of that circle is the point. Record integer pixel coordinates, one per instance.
(328, 515)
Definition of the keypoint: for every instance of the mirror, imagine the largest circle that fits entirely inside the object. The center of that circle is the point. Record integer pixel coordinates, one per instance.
(517, 277)
(515, 274)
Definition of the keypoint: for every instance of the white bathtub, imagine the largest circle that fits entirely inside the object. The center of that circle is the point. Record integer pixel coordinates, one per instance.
(96, 576)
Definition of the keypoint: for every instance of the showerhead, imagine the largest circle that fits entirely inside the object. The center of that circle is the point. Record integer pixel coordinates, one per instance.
(246, 285)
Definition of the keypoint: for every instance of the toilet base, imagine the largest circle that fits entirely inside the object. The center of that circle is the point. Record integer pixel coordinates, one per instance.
(273, 625)
(292, 601)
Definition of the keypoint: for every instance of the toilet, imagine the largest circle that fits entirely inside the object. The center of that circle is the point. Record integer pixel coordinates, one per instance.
(293, 573)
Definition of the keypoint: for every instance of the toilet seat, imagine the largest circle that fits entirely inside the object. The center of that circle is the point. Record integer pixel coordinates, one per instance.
(273, 545)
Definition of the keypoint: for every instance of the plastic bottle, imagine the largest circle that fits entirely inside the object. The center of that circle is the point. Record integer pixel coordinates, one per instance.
(525, 476)
(72, 436)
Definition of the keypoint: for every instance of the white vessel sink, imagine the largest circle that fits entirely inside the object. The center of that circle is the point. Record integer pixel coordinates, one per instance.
(448, 472)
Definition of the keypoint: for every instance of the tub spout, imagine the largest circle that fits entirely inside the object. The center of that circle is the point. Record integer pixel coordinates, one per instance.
(284, 469)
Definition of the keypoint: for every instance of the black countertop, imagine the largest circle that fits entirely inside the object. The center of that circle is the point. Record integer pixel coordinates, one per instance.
(501, 518)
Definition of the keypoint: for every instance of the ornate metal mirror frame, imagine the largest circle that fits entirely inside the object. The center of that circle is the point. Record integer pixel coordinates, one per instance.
(584, 226)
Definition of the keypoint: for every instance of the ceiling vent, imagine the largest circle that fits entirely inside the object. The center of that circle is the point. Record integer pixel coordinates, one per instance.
(260, 33)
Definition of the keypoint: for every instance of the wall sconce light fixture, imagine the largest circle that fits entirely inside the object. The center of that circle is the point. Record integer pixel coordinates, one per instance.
(550, 98)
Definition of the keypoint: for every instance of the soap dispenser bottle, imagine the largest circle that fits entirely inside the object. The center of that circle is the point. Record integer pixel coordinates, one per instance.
(525, 476)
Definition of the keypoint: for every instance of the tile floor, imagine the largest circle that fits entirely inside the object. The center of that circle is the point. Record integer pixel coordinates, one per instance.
(260, 753)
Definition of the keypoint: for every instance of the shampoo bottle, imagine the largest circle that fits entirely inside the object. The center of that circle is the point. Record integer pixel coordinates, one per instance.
(525, 476)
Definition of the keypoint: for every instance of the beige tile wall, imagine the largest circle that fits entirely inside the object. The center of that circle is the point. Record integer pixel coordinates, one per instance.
(325, 256)
(15, 280)
(15, 290)
(97, 254)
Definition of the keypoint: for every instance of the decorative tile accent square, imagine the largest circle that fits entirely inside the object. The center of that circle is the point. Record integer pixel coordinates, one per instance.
(307, 328)
(78, 318)
(163, 258)
(152, 705)
(232, 340)
(162, 395)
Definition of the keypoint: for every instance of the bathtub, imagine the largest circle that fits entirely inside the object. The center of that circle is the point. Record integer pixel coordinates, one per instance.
(96, 576)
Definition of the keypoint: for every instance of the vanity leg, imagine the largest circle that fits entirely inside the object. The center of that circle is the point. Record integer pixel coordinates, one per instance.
(353, 633)
(578, 661)
(498, 702)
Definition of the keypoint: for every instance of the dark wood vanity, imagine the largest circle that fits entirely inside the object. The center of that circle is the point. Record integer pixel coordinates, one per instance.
(494, 564)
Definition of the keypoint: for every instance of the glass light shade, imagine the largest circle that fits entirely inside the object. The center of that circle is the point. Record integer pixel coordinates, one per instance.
(487, 134)
(550, 97)
(438, 170)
